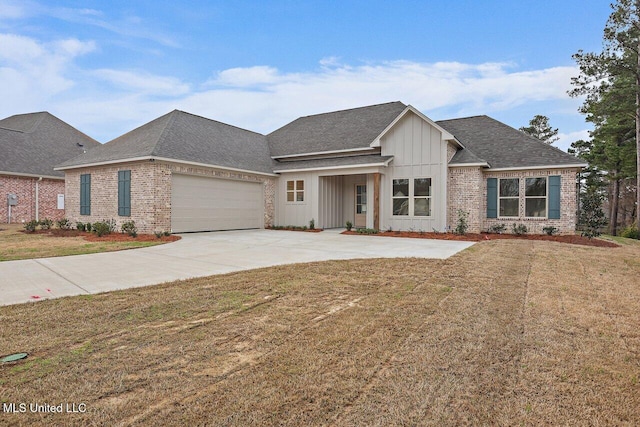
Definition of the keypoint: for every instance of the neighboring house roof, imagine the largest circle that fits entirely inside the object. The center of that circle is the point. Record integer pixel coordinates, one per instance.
(184, 137)
(336, 131)
(487, 140)
(333, 162)
(32, 144)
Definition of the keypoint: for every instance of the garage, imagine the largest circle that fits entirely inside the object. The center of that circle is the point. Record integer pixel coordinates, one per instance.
(208, 204)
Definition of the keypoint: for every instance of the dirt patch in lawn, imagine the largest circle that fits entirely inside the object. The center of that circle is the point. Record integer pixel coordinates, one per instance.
(475, 237)
(508, 332)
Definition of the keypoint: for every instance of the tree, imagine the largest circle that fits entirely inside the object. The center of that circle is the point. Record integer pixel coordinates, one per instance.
(611, 82)
(539, 128)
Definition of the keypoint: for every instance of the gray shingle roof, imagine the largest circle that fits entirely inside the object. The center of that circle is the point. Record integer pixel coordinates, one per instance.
(332, 162)
(501, 146)
(183, 136)
(338, 130)
(34, 143)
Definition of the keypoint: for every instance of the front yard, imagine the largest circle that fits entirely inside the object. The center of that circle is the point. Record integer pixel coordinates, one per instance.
(15, 244)
(507, 332)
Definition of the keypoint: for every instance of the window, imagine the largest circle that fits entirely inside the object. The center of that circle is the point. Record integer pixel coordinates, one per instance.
(295, 191)
(422, 197)
(361, 199)
(412, 197)
(124, 193)
(401, 197)
(85, 194)
(535, 196)
(509, 197)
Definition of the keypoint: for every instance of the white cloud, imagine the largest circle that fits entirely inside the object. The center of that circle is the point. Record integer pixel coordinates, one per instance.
(143, 82)
(566, 139)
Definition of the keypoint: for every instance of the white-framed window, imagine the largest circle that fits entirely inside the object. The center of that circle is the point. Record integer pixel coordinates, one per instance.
(411, 197)
(535, 197)
(422, 196)
(295, 191)
(509, 197)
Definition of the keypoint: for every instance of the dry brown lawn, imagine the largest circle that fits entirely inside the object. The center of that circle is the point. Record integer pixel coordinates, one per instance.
(505, 333)
(14, 244)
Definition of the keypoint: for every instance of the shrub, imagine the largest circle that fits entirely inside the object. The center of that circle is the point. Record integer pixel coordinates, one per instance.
(519, 229)
(30, 226)
(101, 228)
(312, 224)
(63, 224)
(463, 222)
(129, 227)
(88, 227)
(497, 228)
(631, 232)
(80, 226)
(592, 217)
(550, 230)
(45, 224)
(166, 233)
(367, 231)
(349, 225)
(111, 224)
(159, 234)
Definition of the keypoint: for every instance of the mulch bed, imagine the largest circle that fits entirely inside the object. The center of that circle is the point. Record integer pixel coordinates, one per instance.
(113, 237)
(475, 237)
(308, 230)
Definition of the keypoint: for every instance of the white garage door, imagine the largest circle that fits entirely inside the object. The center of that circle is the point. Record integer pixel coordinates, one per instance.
(207, 204)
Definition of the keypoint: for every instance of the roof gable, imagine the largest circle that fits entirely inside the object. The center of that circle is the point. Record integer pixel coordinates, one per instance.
(32, 144)
(351, 129)
(487, 140)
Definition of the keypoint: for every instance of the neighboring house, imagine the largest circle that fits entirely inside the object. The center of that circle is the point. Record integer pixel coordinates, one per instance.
(30, 146)
(382, 166)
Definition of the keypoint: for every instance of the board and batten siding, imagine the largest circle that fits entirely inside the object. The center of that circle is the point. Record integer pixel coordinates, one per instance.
(419, 152)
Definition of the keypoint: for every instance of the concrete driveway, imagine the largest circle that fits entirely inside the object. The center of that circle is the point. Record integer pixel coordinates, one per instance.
(197, 255)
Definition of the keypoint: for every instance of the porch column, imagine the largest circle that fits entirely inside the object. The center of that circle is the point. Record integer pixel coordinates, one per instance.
(376, 201)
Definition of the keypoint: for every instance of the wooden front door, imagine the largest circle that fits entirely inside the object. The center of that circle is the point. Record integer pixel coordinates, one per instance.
(361, 207)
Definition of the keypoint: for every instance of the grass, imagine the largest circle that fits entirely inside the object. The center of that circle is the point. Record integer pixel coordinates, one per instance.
(507, 332)
(15, 245)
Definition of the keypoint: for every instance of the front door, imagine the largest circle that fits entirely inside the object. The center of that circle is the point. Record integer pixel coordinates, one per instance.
(361, 207)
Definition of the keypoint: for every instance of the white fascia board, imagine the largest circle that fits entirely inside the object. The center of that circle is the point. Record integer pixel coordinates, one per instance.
(320, 153)
(31, 175)
(572, 166)
(462, 165)
(445, 134)
(163, 159)
(324, 168)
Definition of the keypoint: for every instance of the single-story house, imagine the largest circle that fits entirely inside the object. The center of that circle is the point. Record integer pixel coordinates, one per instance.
(30, 146)
(384, 166)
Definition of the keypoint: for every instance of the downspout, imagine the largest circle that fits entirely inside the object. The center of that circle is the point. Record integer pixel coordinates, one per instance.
(37, 202)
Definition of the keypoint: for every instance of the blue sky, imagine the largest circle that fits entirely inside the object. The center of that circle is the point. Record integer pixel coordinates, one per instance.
(108, 67)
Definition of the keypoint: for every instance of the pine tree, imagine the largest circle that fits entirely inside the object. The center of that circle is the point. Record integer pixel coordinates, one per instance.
(540, 128)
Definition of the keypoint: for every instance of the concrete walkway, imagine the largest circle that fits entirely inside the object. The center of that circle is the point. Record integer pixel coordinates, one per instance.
(196, 255)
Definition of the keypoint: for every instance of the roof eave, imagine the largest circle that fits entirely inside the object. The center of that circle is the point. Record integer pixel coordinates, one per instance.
(31, 175)
(460, 165)
(560, 166)
(322, 168)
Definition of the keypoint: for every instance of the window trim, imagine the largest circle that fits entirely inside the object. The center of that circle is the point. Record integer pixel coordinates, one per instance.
(295, 191)
(545, 197)
(411, 198)
(508, 197)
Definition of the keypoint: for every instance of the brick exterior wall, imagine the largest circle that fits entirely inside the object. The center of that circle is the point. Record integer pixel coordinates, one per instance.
(150, 192)
(25, 189)
(467, 190)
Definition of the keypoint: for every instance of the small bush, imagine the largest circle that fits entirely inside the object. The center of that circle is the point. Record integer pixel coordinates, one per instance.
(630, 232)
(497, 228)
(519, 229)
(367, 231)
(129, 227)
(46, 224)
(463, 222)
(63, 224)
(166, 233)
(550, 230)
(80, 226)
(312, 224)
(159, 234)
(30, 226)
(111, 224)
(88, 227)
(101, 228)
(349, 225)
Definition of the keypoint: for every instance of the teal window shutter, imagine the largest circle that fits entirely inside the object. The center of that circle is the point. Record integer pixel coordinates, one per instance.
(554, 197)
(492, 197)
(124, 193)
(85, 194)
